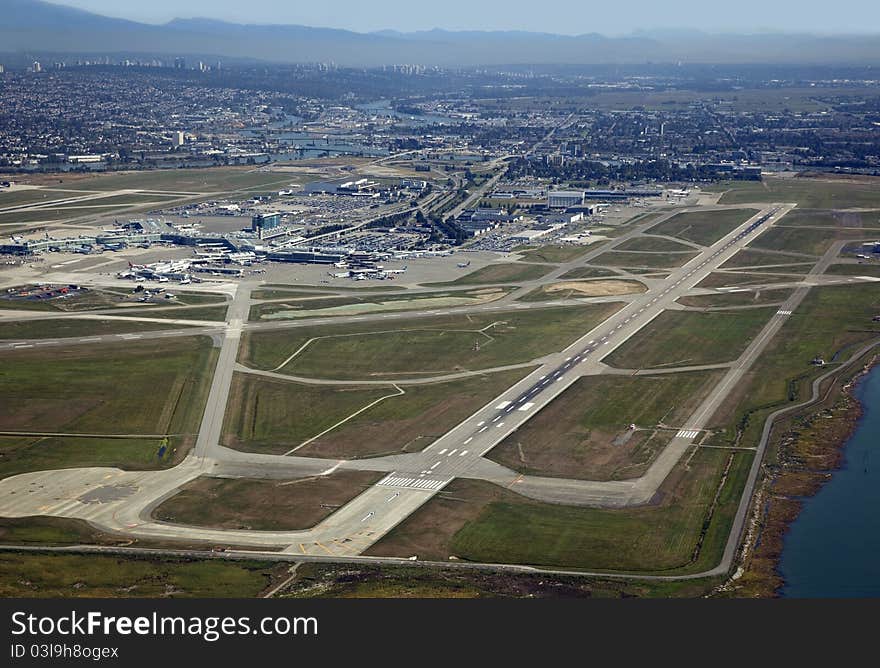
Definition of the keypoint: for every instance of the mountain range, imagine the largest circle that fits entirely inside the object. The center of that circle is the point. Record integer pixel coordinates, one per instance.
(34, 26)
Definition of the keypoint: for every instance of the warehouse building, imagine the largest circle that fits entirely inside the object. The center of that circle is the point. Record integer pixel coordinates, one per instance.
(562, 199)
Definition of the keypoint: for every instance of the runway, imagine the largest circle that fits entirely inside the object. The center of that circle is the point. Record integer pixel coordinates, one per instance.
(411, 479)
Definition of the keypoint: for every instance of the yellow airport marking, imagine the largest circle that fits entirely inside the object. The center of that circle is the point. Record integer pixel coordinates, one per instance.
(329, 551)
(302, 548)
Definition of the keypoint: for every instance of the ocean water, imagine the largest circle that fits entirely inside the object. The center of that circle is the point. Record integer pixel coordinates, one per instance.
(832, 549)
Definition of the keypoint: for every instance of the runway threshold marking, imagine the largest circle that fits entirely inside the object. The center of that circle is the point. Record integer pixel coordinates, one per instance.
(411, 483)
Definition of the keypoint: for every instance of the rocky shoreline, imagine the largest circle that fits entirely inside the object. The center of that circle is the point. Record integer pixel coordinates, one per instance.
(806, 452)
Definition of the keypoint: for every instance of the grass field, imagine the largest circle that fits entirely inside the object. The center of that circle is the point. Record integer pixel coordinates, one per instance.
(684, 338)
(425, 346)
(414, 420)
(868, 220)
(588, 272)
(21, 454)
(98, 576)
(220, 179)
(655, 244)
(809, 193)
(135, 388)
(749, 257)
(653, 260)
(60, 198)
(703, 227)
(355, 304)
(259, 311)
(263, 505)
(47, 531)
(92, 300)
(720, 279)
(51, 328)
(829, 322)
(312, 289)
(33, 196)
(59, 214)
(854, 270)
(811, 240)
(585, 432)
(275, 293)
(684, 532)
(274, 416)
(800, 268)
(508, 272)
(553, 254)
(749, 298)
(217, 313)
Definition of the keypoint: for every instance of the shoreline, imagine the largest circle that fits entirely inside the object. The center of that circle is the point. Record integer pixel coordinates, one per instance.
(805, 453)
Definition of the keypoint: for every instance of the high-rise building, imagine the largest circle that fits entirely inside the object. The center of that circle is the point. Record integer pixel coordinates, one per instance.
(178, 138)
(2, 68)
(265, 221)
(36, 67)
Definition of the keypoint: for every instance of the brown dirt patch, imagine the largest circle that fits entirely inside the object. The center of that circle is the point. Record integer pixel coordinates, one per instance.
(602, 288)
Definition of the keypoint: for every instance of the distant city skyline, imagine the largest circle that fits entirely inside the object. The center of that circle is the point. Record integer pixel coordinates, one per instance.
(566, 17)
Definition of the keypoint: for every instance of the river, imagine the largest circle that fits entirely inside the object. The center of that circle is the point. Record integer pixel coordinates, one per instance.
(833, 548)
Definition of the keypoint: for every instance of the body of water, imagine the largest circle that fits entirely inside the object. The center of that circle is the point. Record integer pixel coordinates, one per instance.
(833, 548)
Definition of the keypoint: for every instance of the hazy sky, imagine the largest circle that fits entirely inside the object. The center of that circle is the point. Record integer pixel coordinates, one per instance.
(557, 16)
